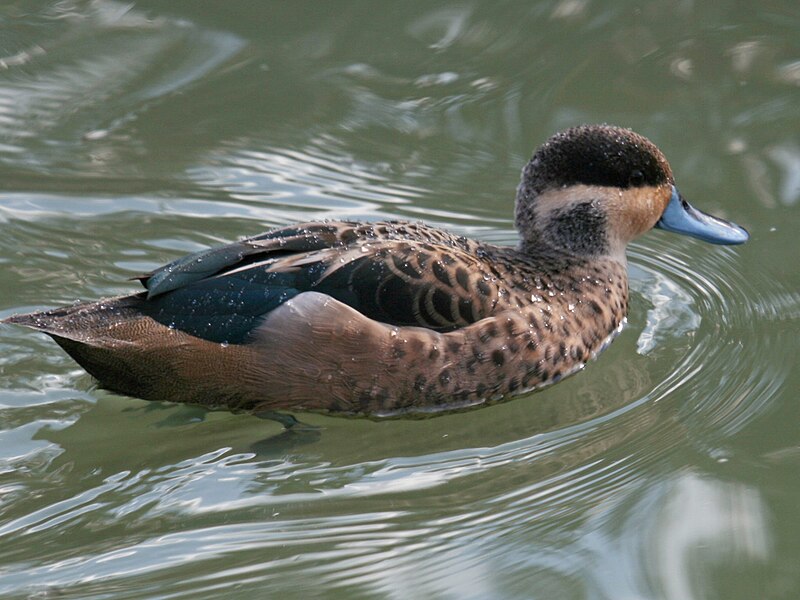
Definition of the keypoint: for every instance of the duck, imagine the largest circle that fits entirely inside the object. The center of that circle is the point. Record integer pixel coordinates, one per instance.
(394, 318)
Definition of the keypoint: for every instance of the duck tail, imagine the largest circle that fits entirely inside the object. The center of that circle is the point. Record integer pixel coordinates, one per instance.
(130, 353)
(88, 323)
(95, 335)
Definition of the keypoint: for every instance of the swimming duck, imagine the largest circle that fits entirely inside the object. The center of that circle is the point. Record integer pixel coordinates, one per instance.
(395, 318)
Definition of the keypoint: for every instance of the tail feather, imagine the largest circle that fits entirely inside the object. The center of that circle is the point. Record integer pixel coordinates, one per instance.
(93, 335)
(130, 353)
(90, 323)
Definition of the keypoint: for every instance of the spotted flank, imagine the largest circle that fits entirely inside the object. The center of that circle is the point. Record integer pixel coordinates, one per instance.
(395, 318)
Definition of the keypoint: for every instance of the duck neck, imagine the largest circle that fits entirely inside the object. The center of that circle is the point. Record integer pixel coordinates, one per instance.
(557, 258)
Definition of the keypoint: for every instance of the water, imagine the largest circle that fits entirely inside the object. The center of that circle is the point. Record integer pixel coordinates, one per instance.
(132, 134)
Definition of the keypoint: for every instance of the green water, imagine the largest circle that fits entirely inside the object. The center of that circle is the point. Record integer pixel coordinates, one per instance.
(132, 133)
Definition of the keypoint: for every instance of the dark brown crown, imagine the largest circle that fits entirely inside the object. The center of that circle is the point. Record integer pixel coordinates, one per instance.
(595, 155)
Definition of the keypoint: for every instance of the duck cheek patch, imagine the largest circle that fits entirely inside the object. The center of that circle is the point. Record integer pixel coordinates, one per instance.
(581, 228)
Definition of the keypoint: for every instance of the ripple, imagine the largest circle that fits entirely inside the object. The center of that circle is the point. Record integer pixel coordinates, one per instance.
(316, 177)
(89, 71)
(689, 371)
(674, 550)
(166, 134)
(559, 476)
(321, 180)
(732, 369)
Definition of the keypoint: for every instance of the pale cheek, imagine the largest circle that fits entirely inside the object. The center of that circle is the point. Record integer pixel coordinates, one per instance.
(637, 219)
(650, 212)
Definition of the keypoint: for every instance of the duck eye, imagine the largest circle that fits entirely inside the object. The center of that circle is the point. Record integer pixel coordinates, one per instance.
(637, 178)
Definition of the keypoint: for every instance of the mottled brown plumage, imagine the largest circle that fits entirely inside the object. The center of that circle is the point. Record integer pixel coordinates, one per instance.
(393, 318)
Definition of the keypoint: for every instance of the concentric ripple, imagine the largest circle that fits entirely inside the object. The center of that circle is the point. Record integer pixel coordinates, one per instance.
(732, 368)
(136, 132)
(344, 520)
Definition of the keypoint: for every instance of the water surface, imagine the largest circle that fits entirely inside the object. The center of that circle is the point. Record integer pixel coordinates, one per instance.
(131, 134)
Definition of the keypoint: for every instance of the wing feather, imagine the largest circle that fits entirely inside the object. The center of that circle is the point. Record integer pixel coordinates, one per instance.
(395, 273)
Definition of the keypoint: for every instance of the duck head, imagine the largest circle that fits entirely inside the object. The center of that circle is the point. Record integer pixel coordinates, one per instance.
(591, 189)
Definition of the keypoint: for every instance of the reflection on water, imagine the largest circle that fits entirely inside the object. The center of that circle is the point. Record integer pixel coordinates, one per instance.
(597, 446)
(91, 69)
(132, 135)
(702, 524)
